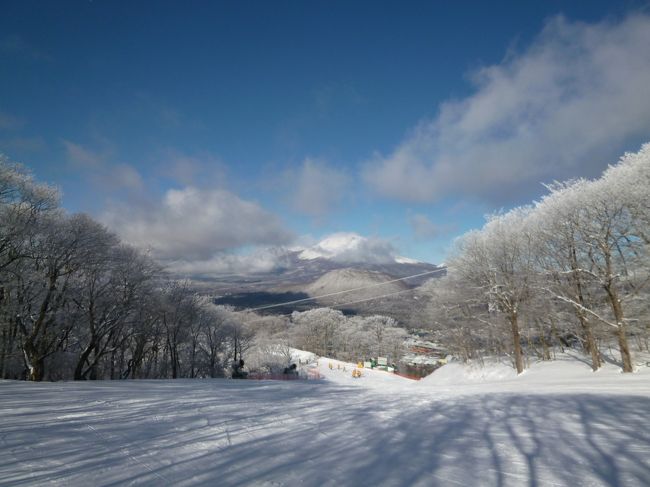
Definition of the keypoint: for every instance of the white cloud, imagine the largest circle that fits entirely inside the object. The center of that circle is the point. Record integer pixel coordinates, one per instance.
(194, 225)
(562, 108)
(348, 248)
(319, 189)
(124, 176)
(259, 260)
(82, 157)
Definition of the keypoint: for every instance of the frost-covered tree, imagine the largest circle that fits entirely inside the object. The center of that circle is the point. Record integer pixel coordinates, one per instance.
(177, 312)
(459, 318)
(557, 221)
(583, 248)
(616, 252)
(318, 330)
(60, 249)
(106, 295)
(499, 260)
(213, 321)
(23, 202)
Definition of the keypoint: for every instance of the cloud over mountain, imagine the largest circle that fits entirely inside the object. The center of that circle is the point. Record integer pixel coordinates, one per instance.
(563, 107)
(352, 248)
(192, 225)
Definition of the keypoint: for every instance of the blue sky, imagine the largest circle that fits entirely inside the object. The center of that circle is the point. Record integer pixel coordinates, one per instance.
(212, 129)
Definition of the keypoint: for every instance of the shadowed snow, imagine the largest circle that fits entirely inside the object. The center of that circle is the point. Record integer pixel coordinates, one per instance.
(543, 428)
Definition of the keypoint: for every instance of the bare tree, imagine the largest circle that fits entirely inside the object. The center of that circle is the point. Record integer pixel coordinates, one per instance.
(177, 312)
(108, 291)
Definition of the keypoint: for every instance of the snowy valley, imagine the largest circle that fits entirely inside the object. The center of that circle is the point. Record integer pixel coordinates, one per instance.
(324, 243)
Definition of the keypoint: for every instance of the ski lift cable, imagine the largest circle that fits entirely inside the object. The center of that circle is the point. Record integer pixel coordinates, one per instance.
(347, 303)
(360, 288)
(371, 298)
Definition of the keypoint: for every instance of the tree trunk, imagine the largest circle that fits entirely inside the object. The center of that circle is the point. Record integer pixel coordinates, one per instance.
(588, 335)
(35, 365)
(623, 346)
(173, 355)
(112, 368)
(37, 370)
(590, 342)
(556, 334)
(516, 339)
(83, 359)
(193, 359)
(34, 361)
(5, 352)
(546, 353)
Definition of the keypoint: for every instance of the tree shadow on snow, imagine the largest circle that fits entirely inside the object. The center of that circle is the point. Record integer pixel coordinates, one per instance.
(262, 433)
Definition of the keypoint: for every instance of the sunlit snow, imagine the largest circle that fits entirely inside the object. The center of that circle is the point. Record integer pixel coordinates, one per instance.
(557, 424)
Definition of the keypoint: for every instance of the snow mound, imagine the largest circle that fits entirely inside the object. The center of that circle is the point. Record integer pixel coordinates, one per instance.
(340, 372)
(302, 355)
(567, 373)
(457, 373)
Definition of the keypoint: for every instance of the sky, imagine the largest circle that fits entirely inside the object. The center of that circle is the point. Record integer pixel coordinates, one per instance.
(215, 133)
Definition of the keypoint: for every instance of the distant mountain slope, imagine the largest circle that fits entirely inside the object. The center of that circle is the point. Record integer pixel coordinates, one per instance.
(351, 284)
(339, 263)
(308, 270)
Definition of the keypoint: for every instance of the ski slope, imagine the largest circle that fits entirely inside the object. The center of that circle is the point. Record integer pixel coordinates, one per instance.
(557, 424)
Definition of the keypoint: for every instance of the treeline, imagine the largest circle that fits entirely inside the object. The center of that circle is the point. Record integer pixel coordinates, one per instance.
(77, 303)
(330, 333)
(323, 331)
(572, 267)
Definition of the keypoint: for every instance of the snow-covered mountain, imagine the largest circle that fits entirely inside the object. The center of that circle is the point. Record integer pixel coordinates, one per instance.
(351, 252)
(353, 248)
(338, 263)
(349, 284)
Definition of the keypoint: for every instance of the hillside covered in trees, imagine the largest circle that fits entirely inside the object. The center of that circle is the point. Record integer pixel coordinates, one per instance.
(570, 270)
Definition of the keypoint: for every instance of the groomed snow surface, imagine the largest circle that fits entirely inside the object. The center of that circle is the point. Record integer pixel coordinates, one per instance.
(556, 424)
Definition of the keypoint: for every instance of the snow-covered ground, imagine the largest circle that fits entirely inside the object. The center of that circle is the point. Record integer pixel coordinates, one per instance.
(557, 424)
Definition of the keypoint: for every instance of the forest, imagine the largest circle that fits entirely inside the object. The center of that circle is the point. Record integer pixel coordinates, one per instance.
(569, 270)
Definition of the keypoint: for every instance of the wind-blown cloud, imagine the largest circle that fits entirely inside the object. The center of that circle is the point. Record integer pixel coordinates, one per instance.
(424, 229)
(260, 260)
(202, 169)
(562, 108)
(319, 188)
(348, 248)
(98, 168)
(193, 225)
